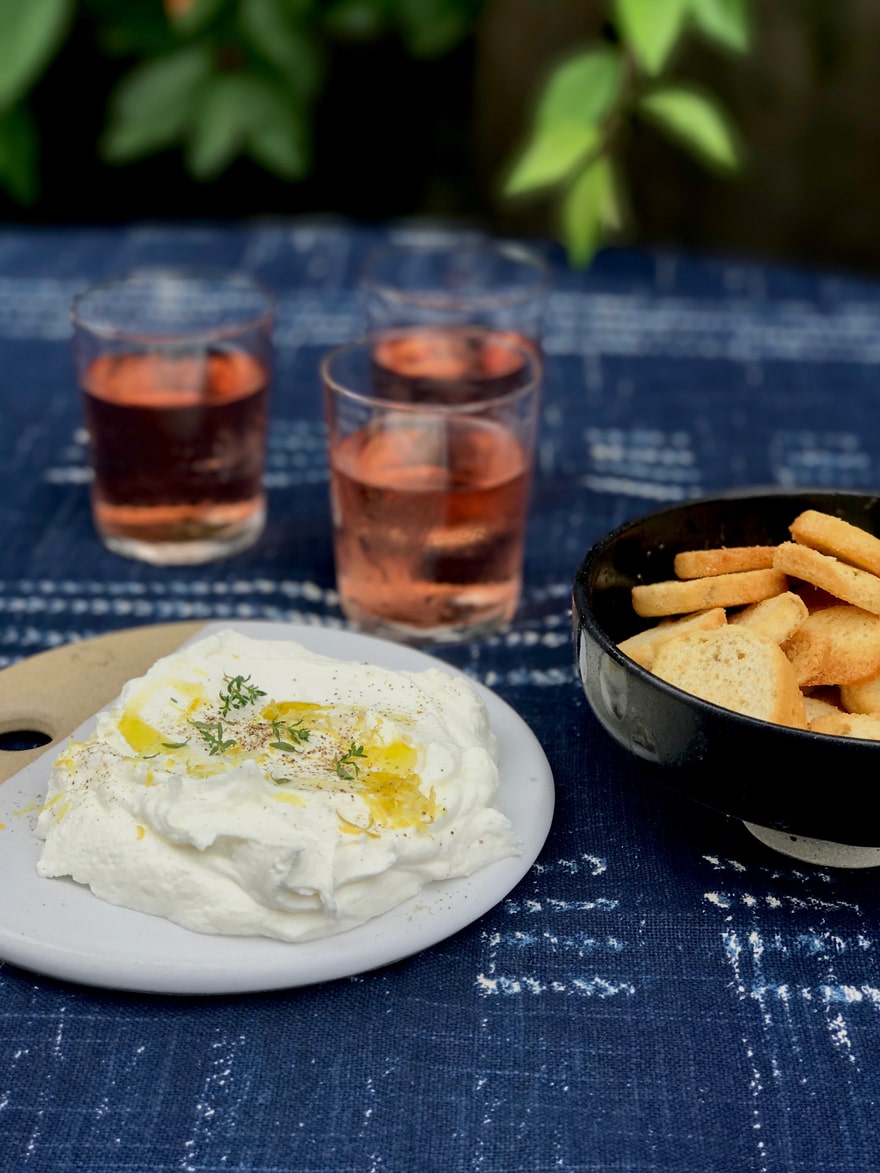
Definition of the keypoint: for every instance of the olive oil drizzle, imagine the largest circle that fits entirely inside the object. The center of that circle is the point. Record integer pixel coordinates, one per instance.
(299, 746)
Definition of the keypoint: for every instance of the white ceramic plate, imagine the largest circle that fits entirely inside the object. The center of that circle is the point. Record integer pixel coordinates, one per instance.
(58, 928)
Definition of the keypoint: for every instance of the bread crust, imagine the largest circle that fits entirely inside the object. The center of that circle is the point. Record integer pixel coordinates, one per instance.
(846, 643)
(808, 653)
(832, 535)
(795, 643)
(816, 707)
(862, 697)
(675, 597)
(642, 647)
(777, 618)
(737, 669)
(849, 725)
(723, 560)
(853, 585)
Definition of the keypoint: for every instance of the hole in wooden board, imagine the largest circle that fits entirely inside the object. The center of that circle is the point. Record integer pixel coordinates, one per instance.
(21, 739)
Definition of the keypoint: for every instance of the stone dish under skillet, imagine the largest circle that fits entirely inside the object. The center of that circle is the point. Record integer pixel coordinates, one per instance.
(809, 795)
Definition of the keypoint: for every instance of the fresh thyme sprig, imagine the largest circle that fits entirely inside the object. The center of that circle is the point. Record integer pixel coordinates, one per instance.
(213, 735)
(346, 766)
(238, 694)
(287, 734)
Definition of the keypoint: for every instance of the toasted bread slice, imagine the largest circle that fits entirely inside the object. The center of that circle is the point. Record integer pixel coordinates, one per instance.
(724, 560)
(815, 708)
(831, 535)
(642, 647)
(737, 669)
(844, 642)
(849, 725)
(777, 618)
(859, 587)
(863, 697)
(808, 652)
(699, 594)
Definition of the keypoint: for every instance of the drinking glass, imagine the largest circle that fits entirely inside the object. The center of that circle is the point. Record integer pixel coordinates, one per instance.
(429, 483)
(174, 369)
(495, 284)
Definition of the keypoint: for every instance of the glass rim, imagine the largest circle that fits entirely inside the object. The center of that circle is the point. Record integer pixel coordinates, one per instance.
(467, 407)
(438, 300)
(183, 275)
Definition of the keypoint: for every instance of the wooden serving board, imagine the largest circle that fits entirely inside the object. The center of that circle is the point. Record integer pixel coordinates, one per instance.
(55, 691)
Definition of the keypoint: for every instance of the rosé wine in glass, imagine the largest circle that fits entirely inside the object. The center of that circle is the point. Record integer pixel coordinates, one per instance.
(178, 445)
(175, 369)
(430, 485)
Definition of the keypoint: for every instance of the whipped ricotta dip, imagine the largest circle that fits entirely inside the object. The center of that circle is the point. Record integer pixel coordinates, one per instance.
(253, 787)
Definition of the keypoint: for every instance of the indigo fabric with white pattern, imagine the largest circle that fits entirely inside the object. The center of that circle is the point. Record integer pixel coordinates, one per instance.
(661, 992)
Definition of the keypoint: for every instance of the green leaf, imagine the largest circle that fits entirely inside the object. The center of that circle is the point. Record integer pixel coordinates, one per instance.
(19, 155)
(433, 27)
(220, 124)
(552, 154)
(30, 33)
(285, 746)
(129, 140)
(724, 21)
(284, 41)
(280, 146)
(232, 108)
(151, 107)
(194, 16)
(588, 209)
(162, 83)
(582, 89)
(651, 28)
(696, 122)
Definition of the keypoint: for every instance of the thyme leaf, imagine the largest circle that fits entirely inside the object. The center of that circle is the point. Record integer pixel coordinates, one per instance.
(213, 736)
(285, 746)
(346, 766)
(239, 692)
(287, 734)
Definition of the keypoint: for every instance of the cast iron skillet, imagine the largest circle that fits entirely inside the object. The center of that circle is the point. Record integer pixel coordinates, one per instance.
(788, 780)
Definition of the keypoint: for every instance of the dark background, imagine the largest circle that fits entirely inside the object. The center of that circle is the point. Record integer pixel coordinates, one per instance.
(398, 137)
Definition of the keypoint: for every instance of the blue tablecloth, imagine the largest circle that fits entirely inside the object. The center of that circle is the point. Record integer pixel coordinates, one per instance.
(661, 992)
